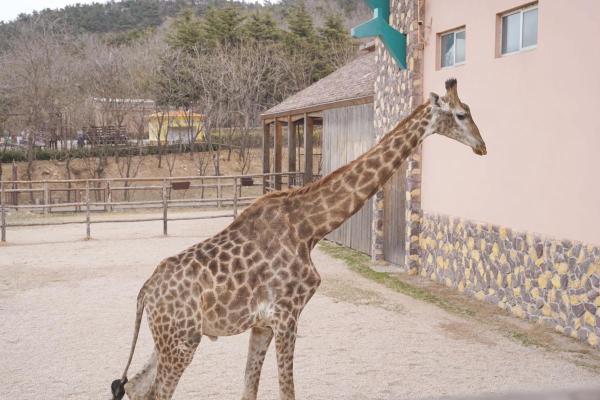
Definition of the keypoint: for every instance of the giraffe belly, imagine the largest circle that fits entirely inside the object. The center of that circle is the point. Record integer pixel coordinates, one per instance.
(234, 323)
(227, 312)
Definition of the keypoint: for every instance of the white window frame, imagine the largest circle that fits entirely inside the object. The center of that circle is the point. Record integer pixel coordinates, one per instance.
(453, 32)
(519, 11)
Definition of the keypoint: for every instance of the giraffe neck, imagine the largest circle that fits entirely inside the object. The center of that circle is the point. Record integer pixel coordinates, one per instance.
(329, 202)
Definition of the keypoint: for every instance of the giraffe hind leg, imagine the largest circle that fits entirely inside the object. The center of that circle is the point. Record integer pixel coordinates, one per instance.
(139, 386)
(176, 336)
(260, 338)
(285, 342)
(172, 362)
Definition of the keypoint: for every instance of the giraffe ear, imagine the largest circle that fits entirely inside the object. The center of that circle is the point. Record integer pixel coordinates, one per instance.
(434, 99)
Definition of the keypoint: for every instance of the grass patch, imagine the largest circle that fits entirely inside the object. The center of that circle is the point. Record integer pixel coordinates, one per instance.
(360, 263)
(525, 339)
(525, 333)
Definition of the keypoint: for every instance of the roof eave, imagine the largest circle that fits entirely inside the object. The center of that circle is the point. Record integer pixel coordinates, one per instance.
(319, 107)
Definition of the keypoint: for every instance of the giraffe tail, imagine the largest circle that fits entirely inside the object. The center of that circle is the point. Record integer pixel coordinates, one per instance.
(118, 385)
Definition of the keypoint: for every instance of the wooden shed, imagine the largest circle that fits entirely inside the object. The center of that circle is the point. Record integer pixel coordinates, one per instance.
(329, 124)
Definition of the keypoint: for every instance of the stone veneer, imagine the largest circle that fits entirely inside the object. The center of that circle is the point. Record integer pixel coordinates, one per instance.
(551, 281)
(397, 93)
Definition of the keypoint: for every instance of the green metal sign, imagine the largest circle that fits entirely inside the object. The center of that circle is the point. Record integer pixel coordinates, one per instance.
(394, 41)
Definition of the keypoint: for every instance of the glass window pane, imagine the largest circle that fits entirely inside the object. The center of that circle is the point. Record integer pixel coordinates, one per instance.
(448, 50)
(530, 27)
(460, 46)
(511, 33)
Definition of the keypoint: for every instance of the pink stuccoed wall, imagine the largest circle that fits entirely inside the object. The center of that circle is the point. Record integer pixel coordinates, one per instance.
(538, 111)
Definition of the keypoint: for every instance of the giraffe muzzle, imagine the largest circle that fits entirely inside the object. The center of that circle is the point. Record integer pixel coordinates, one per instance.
(480, 150)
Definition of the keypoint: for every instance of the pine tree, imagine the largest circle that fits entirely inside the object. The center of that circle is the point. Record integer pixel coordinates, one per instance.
(261, 27)
(187, 32)
(223, 26)
(334, 31)
(300, 22)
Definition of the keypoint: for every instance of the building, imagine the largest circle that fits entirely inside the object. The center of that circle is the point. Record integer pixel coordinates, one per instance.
(518, 227)
(129, 115)
(337, 115)
(175, 127)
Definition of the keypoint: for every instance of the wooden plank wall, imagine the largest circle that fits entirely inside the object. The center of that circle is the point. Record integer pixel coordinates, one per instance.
(348, 132)
(394, 217)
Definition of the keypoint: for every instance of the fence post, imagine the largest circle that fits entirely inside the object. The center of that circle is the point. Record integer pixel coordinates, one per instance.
(46, 197)
(235, 198)
(2, 213)
(15, 193)
(105, 198)
(87, 210)
(218, 192)
(78, 199)
(108, 195)
(165, 206)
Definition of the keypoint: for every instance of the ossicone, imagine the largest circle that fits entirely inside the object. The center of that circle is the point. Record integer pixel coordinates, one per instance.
(451, 83)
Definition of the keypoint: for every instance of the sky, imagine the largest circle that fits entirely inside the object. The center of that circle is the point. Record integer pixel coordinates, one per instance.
(10, 9)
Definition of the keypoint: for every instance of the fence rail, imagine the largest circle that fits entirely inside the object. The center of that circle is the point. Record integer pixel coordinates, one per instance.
(228, 192)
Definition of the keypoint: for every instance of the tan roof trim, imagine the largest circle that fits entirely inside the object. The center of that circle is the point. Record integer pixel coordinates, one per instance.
(320, 107)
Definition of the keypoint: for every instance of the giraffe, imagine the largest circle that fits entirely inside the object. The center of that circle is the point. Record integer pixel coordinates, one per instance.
(257, 273)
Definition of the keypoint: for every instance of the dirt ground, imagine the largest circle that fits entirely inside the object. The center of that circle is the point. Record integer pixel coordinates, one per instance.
(67, 310)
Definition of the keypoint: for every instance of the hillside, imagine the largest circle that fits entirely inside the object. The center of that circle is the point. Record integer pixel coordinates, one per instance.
(134, 16)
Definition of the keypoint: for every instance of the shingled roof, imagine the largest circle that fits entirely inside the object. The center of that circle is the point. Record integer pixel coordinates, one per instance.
(354, 81)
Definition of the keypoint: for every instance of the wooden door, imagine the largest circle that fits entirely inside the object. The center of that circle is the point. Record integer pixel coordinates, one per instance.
(348, 132)
(394, 217)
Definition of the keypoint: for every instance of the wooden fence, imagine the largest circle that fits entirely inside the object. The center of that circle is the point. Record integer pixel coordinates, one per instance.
(89, 196)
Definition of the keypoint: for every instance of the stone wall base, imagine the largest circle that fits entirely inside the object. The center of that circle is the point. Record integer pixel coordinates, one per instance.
(550, 281)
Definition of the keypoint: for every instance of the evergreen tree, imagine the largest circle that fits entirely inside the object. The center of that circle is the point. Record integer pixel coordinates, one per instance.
(336, 44)
(187, 32)
(300, 22)
(334, 31)
(223, 26)
(261, 27)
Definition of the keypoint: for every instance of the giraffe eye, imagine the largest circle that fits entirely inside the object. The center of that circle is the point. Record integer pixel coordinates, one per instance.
(461, 116)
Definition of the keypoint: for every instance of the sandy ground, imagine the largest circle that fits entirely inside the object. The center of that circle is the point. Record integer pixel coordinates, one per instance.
(67, 309)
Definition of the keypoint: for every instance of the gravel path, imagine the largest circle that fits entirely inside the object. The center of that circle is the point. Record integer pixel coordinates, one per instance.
(67, 309)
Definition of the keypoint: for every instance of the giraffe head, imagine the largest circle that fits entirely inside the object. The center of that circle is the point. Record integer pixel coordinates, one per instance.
(452, 118)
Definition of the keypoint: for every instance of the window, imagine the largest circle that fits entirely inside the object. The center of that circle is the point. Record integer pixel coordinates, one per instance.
(452, 46)
(519, 30)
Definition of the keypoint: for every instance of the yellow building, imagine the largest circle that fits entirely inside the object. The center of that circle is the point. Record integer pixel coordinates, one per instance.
(175, 127)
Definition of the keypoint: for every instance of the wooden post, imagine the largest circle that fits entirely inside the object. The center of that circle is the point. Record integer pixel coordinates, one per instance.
(308, 149)
(2, 213)
(266, 154)
(46, 197)
(165, 206)
(291, 151)
(235, 198)
(108, 195)
(278, 149)
(15, 194)
(87, 210)
(105, 197)
(218, 192)
(78, 199)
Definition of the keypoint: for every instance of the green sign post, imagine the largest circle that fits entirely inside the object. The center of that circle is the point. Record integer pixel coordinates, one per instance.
(394, 41)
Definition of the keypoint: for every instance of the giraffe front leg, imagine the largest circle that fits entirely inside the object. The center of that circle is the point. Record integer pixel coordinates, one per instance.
(260, 338)
(285, 342)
